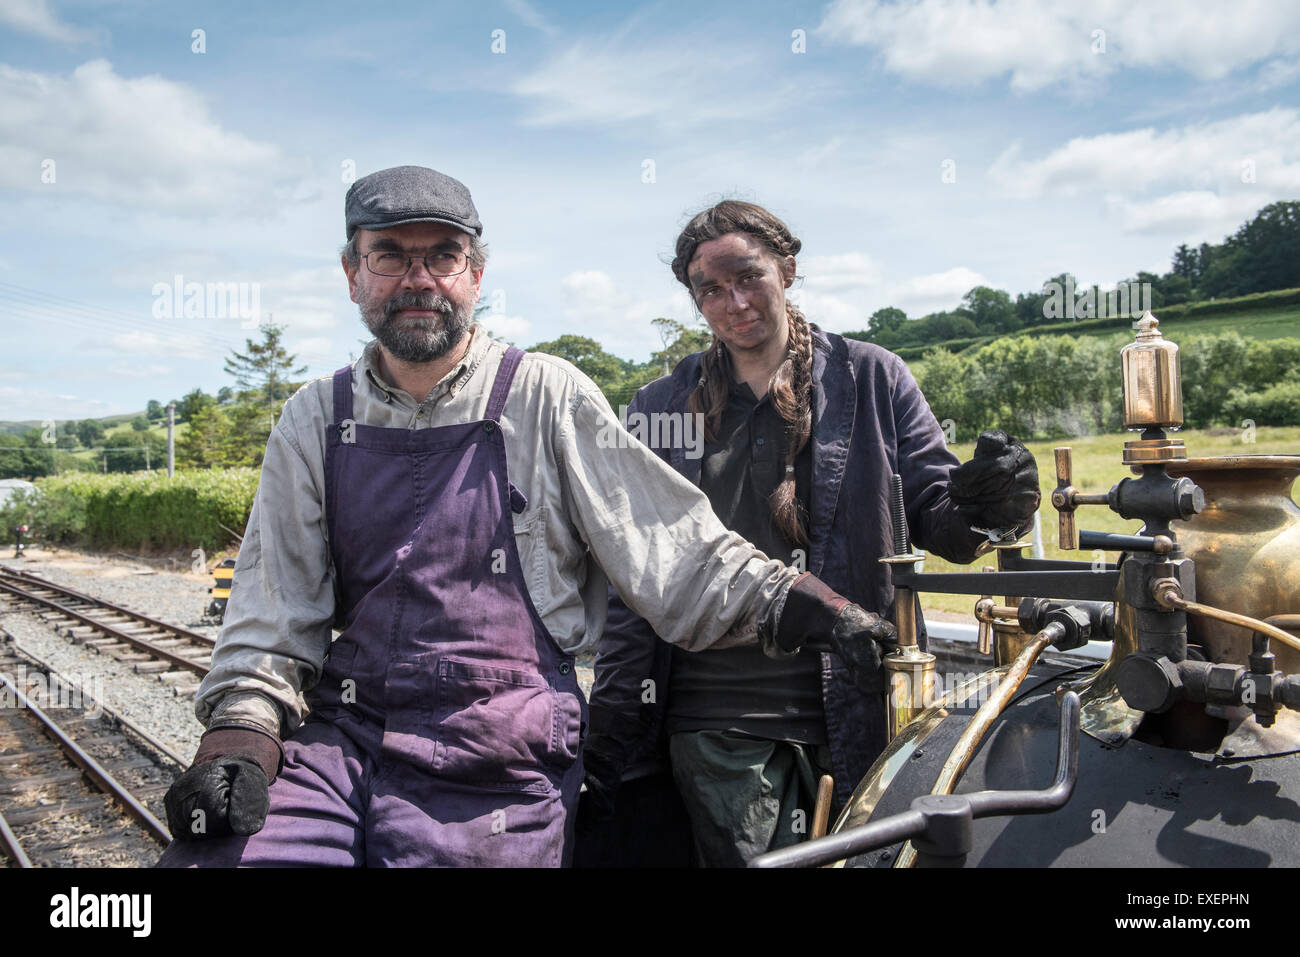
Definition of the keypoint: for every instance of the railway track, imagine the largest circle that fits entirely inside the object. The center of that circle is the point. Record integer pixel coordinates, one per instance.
(174, 655)
(79, 784)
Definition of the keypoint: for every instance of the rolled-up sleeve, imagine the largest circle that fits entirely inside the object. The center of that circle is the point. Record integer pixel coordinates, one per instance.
(667, 555)
(277, 625)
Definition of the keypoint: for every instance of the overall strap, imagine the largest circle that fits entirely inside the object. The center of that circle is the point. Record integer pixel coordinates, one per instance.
(343, 394)
(501, 385)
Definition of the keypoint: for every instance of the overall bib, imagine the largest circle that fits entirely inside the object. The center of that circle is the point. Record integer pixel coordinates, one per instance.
(446, 727)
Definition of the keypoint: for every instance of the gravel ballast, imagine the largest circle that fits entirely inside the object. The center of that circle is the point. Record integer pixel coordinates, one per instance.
(177, 597)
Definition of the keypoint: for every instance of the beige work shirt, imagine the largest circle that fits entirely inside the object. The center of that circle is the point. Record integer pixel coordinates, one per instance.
(599, 511)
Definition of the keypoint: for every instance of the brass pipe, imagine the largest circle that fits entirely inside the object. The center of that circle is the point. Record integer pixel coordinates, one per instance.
(822, 809)
(1167, 593)
(909, 671)
(982, 720)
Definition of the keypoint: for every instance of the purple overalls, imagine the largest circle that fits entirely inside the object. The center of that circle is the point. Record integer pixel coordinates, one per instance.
(445, 730)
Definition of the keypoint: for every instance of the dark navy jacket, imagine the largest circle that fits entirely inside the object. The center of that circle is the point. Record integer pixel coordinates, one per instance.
(869, 420)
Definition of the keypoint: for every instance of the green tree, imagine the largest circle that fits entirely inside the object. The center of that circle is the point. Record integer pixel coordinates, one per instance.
(991, 310)
(679, 341)
(140, 424)
(589, 356)
(90, 431)
(266, 367)
(246, 433)
(154, 410)
(202, 446)
(193, 402)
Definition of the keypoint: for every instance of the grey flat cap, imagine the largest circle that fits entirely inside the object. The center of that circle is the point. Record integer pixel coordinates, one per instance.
(410, 194)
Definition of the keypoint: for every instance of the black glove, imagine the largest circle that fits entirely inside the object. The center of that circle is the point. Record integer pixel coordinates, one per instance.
(813, 612)
(610, 737)
(225, 791)
(998, 487)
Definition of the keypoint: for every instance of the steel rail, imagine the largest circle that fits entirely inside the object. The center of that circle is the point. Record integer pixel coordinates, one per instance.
(113, 716)
(93, 769)
(142, 643)
(9, 842)
(30, 578)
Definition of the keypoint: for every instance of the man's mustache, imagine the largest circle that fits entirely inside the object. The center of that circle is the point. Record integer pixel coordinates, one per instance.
(417, 300)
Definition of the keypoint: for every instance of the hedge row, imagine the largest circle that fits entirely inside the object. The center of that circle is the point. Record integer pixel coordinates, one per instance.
(140, 510)
(1260, 300)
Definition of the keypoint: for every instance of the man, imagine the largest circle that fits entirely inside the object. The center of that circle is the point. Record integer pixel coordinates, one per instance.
(803, 431)
(450, 505)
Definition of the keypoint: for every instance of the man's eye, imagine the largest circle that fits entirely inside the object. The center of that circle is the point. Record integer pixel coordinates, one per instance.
(445, 257)
(389, 258)
(708, 292)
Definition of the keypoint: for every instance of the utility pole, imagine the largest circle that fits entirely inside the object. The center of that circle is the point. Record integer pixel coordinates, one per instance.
(171, 439)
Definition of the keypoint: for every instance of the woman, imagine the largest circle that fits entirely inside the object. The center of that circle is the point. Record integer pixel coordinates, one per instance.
(802, 431)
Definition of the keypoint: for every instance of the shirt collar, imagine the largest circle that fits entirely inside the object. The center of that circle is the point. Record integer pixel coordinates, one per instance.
(451, 383)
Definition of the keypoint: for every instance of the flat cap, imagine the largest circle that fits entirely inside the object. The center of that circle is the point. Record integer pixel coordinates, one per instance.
(409, 194)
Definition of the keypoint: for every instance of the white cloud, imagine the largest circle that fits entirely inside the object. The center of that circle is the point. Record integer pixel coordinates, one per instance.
(139, 371)
(1039, 43)
(528, 13)
(675, 84)
(594, 305)
(1206, 176)
(309, 299)
(142, 142)
(312, 350)
(178, 345)
(23, 404)
(841, 271)
(932, 292)
(1194, 213)
(516, 329)
(36, 17)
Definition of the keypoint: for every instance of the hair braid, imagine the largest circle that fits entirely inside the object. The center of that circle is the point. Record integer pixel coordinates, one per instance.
(791, 390)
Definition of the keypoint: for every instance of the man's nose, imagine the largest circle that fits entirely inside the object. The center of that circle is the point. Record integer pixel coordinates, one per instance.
(419, 277)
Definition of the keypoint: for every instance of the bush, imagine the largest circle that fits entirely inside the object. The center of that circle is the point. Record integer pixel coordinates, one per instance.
(1279, 404)
(145, 509)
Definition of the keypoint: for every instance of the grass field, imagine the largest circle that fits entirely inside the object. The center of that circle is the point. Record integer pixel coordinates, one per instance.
(1096, 468)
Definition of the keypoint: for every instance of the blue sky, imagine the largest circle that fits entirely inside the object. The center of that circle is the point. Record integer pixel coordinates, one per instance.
(917, 149)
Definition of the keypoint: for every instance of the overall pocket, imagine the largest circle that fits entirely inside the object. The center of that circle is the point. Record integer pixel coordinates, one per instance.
(502, 728)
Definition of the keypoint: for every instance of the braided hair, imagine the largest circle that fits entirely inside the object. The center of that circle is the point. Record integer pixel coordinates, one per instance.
(791, 383)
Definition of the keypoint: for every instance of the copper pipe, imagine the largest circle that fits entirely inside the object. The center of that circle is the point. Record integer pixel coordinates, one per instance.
(1167, 592)
(983, 719)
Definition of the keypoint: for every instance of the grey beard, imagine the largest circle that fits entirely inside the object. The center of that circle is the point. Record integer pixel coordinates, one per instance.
(424, 341)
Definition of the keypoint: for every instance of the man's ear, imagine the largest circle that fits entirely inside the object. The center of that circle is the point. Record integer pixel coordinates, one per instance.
(351, 272)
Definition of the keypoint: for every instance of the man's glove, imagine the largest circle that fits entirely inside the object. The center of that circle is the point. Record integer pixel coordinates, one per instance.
(611, 736)
(225, 791)
(813, 612)
(998, 488)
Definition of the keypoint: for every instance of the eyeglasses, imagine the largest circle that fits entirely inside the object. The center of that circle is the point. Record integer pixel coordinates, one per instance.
(440, 265)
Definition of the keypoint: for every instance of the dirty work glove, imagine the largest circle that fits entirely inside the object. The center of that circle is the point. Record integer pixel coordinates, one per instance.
(610, 738)
(998, 488)
(228, 783)
(814, 614)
